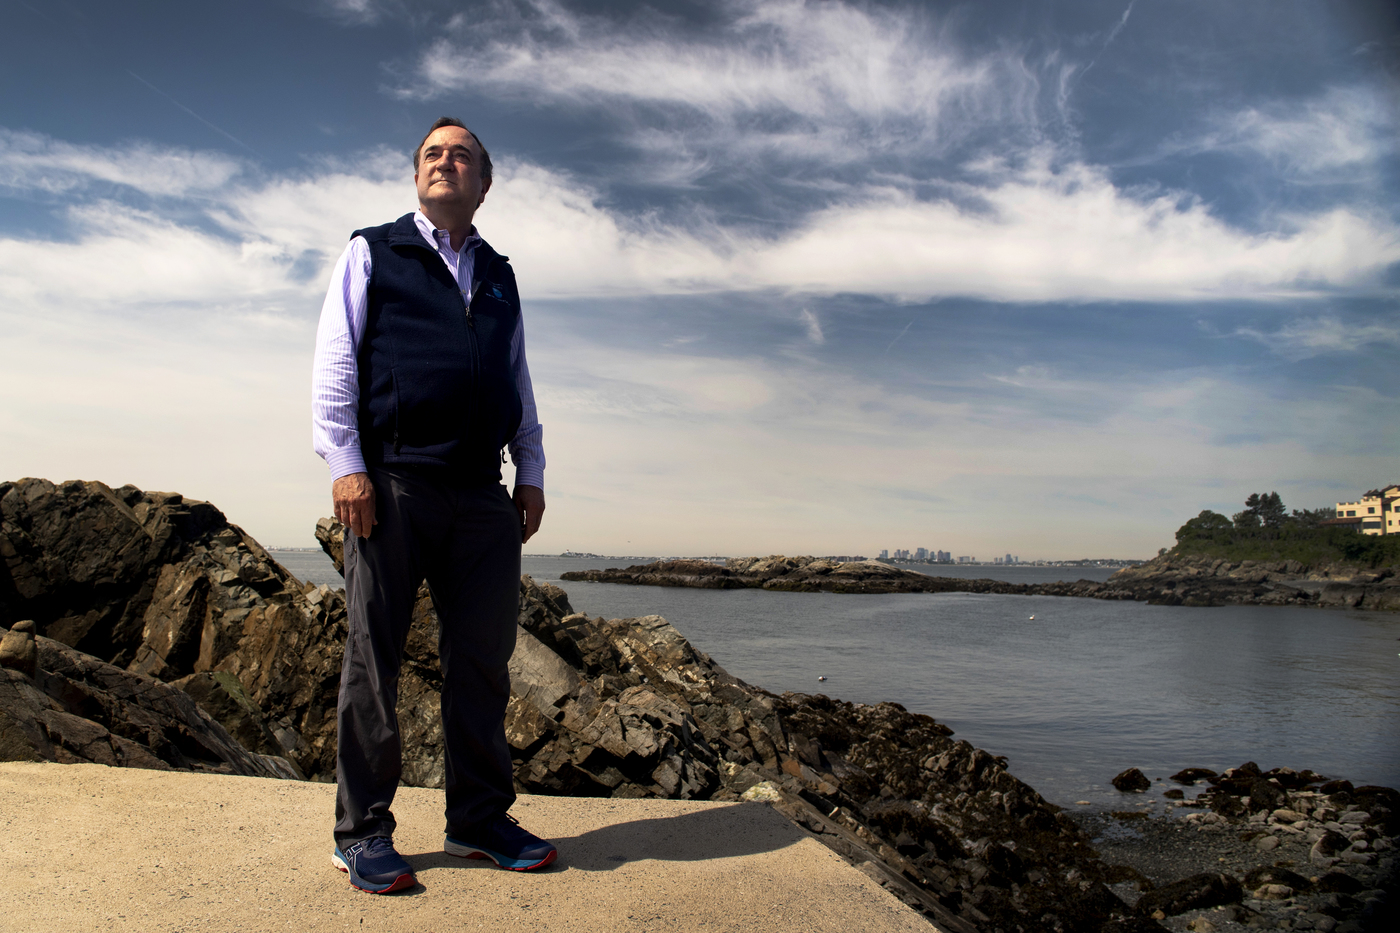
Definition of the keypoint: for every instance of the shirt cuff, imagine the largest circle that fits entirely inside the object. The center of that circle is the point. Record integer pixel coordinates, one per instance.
(529, 474)
(344, 461)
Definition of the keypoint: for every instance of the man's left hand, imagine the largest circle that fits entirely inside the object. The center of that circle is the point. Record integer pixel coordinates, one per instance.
(529, 503)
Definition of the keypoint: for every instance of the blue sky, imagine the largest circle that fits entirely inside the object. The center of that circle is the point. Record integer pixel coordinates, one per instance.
(1030, 277)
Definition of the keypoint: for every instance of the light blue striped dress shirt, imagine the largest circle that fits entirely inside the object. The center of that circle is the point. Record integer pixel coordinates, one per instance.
(335, 376)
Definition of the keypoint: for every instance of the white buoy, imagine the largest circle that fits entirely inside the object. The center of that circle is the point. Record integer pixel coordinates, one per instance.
(1032, 618)
(823, 677)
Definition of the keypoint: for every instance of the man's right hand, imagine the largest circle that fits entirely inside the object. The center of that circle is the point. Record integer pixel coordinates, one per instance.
(353, 496)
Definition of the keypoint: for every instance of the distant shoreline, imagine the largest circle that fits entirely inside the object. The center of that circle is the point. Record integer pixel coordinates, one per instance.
(1168, 580)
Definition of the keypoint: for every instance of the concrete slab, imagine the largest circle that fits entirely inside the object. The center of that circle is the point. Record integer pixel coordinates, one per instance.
(88, 847)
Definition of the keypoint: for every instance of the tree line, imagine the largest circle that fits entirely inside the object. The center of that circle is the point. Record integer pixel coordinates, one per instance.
(1265, 530)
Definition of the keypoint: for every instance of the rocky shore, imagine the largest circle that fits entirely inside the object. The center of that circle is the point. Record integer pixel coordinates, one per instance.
(1274, 850)
(1168, 580)
(145, 630)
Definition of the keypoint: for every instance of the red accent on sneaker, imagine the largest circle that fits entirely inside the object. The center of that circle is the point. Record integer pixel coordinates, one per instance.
(401, 882)
(547, 860)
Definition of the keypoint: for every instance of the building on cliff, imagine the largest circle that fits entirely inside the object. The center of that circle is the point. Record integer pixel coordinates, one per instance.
(1376, 513)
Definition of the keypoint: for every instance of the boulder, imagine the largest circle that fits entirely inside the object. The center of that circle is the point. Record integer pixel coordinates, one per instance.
(1132, 781)
(1266, 795)
(1276, 874)
(1328, 848)
(18, 651)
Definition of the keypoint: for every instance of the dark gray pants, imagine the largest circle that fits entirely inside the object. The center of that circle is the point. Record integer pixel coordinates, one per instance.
(465, 540)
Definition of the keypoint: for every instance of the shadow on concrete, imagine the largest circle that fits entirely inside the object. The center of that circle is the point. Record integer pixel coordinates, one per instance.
(711, 833)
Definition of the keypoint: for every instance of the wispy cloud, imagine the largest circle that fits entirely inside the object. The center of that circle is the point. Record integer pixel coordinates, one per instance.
(829, 82)
(33, 162)
(1336, 135)
(1108, 40)
(1315, 336)
(357, 12)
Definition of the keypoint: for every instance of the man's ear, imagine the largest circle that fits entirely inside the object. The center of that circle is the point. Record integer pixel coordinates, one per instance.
(485, 187)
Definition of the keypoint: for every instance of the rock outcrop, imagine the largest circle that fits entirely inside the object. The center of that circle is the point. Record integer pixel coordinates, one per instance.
(74, 708)
(1205, 581)
(165, 587)
(1167, 580)
(788, 574)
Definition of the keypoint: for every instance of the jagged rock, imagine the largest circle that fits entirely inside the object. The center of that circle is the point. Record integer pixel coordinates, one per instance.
(79, 709)
(330, 534)
(17, 649)
(167, 587)
(221, 695)
(1132, 781)
(1190, 776)
(1193, 580)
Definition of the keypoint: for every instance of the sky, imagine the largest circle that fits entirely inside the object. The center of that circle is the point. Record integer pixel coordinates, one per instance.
(1034, 277)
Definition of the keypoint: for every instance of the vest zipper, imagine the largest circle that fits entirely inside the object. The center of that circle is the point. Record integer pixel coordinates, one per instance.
(395, 377)
(471, 338)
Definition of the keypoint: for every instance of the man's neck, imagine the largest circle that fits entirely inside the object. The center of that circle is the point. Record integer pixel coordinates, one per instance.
(458, 227)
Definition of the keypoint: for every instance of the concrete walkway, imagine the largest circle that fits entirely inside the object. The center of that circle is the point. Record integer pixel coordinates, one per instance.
(88, 847)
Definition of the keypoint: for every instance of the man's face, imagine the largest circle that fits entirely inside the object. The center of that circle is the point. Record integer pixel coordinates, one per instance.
(449, 171)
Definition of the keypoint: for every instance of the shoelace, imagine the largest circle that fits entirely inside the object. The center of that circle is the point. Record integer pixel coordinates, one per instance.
(377, 846)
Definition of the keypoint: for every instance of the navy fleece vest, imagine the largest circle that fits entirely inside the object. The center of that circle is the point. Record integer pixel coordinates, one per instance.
(436, 386)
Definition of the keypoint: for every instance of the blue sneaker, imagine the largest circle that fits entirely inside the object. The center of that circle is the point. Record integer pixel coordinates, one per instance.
(374, 866)
(506, 843)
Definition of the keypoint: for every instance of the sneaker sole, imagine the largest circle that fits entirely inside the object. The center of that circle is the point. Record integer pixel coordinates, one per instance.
(359, 884)
(462, 850)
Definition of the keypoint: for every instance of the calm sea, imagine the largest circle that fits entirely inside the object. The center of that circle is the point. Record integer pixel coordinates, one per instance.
(1082, 691)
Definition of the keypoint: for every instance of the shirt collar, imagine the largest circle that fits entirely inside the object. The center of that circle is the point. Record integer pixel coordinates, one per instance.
(438, 238)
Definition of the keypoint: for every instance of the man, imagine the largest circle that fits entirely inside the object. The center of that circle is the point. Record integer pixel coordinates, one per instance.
(420, 381)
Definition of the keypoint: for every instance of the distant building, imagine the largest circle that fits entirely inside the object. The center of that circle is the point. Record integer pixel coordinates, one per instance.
(967, 560)
(885, 554)
(1372, 515)
(921, 553)
(945, 557)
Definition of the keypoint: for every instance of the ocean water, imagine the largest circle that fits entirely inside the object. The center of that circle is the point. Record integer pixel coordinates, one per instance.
(1072, 697)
